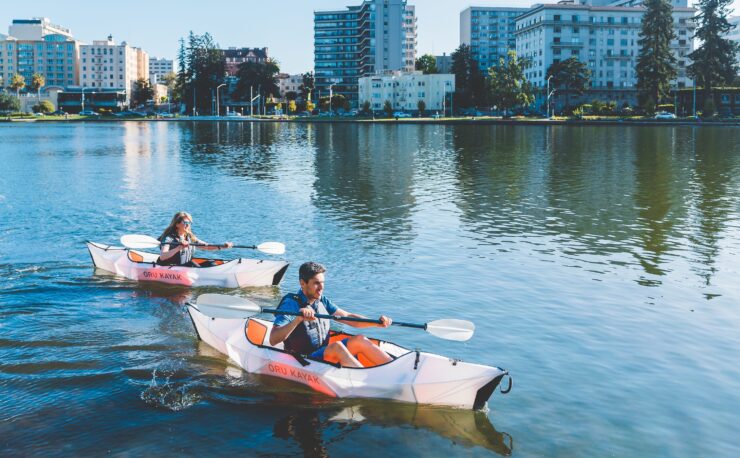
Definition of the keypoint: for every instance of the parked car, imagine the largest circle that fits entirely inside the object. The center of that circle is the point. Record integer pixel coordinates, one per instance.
(230, 114)
(58, 113)
(664, 115)
(401, 114)
(129, 114)
(169, 115)
(88, 113)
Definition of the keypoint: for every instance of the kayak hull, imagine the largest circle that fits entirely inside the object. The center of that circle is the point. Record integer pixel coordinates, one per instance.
(141, 266)
(412, 376)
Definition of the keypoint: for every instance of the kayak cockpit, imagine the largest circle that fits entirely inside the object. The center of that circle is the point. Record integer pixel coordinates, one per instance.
(258, 333)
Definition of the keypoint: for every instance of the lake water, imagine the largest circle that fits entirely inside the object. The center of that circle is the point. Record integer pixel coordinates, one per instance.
(600, 265)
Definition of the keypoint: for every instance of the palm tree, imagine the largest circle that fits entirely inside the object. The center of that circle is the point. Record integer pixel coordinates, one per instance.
(17, 82)
(37, 82)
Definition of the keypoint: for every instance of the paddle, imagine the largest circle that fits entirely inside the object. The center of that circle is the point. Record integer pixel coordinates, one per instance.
(141, 242)
(223, 306)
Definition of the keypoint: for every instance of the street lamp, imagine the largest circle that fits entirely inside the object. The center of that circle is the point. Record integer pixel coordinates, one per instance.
(83, 98)
(548, 95)
(218, 111)
(330, 96)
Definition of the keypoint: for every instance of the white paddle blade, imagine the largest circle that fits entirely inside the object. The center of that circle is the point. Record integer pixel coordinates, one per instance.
(271, 247)
(223, 306)
(139, 242)
(451, 329)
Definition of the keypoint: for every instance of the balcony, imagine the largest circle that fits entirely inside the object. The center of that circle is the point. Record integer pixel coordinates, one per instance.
(567, 44)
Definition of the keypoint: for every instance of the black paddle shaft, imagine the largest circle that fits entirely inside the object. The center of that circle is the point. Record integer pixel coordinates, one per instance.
(338, 318)
(251, 247)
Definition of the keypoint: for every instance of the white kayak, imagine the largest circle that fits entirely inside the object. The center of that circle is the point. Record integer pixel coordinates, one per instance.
(412, 376)
(142, 266)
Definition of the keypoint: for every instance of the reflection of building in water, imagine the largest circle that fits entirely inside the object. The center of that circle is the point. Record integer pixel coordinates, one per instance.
(365, 175)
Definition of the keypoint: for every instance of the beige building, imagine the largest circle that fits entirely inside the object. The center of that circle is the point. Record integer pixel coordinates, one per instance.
(38, 46)
(107, 65)
(289, 83)
(405, 89)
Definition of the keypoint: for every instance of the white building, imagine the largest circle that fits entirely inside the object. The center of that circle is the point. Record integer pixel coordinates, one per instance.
(107, 65)
(159, 68)
(38, 46)
(603, 37)
(405, 89)
(289, 83)
(489, 31)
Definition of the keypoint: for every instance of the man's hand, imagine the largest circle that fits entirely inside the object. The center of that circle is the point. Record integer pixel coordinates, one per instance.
(307, 313)
(385, 321)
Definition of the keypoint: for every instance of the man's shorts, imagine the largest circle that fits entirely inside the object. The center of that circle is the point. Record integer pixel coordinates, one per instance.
(319, 354)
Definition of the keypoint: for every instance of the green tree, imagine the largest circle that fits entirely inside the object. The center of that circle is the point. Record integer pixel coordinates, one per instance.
(43, 107)
(307, 86)
(202, 70)
(181, 81)
(422, 107)
(470, 83)
(17, 82)
(260, 76)
(365, 110)
(714, 62)
(569, 75)
(143, 92)
(388, 108)
(509, 87)
(9, 103)
(37, 82)
(291, 95)
(656, 64)
(427, 64)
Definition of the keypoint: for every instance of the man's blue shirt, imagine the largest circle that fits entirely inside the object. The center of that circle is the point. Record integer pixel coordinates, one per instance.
(290, 305)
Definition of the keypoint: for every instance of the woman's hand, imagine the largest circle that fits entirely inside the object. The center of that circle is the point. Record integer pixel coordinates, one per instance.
(227, 245)
(182, 245)
(384, 321)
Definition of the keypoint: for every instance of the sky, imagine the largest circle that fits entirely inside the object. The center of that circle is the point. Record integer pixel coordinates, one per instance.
(285, 27)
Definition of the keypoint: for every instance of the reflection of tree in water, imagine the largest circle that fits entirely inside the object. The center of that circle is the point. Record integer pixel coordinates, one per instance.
(714, 195)
(364, 176)
(240, 148)
(307, 428)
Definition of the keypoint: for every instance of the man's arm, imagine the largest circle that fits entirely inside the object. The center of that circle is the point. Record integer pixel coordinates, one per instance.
(280, 333)
(385, 321)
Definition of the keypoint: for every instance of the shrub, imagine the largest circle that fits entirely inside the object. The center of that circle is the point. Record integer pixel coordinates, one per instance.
(44, 107)
(9, 103)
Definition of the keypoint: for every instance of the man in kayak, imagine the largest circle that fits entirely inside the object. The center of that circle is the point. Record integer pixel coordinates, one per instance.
(308, 335)
(176, 241)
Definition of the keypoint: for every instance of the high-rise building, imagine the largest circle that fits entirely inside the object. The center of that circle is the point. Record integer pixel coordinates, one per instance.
(38, 46)
(237, 56)
(443, 63)
(106, 65)
(605, 37)
(371, 38)
(489, 31)
(159, 68)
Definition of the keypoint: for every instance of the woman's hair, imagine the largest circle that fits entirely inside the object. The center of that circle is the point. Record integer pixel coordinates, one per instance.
(171, 229)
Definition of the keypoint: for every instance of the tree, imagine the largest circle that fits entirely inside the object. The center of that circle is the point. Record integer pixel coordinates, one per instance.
(427, 64)
(143, 92)
(365, 110)
(43, 107)
(17, 82)
(309, 106)
(308, 85)
(422, 107)
(292, 107)
(656, 63)
(714, 62)
(569, 75)
(291, 95)
(260, 76)
(388, 108)
(508, 85)
(9, 103)
(37, 82)
(202, 69)
(470, 83)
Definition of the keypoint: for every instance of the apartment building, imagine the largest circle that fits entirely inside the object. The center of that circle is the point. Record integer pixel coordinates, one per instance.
(604, 37)
(106, 65)
(289, 83)
(371, 38)
(158, 68)
(237, 56)
(405, 89)
(489, 31)
(38, 46)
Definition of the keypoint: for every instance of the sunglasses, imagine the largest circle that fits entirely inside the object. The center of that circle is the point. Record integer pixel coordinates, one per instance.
(186, 223)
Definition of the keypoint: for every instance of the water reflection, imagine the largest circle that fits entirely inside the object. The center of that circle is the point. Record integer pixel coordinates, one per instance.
(315, 431)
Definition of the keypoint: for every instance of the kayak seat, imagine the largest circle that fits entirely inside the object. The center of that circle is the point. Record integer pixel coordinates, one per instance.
(203, 262)
(256, 332)
(135, 257)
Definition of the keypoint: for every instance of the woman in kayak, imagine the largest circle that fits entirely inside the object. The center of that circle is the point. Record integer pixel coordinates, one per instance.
(177, 243)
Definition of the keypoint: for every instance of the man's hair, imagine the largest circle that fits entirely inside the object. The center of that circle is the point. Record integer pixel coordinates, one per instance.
(310, 269)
